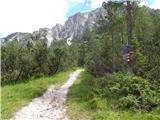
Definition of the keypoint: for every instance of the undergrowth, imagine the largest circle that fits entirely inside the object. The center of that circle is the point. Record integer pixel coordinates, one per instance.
(116, 96)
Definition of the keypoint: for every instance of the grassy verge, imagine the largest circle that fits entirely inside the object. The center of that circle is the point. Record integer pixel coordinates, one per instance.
(80, 105)
(18, 95)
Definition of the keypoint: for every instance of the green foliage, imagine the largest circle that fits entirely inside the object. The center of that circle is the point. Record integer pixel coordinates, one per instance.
(137, 92)
(99, 59)
(90, 98)
(94, 60)
(139, 59)
(146, 35)
(101, 53)
(21, 62)
(106, 54)
(130, 91)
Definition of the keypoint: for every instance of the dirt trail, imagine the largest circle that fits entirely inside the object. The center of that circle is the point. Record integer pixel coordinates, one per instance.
(49, 106)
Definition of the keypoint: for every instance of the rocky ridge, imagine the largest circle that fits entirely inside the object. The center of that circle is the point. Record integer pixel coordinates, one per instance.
(74, 26)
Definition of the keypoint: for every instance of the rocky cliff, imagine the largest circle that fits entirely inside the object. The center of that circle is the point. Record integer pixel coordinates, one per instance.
(74, 26)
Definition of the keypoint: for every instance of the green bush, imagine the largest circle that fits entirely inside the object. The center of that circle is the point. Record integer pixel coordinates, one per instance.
(134, 92)
(129, 91)
(9, 77)
(21, 62)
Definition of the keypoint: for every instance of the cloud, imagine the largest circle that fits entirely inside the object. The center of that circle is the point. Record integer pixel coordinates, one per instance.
(96, 3)
(91, 3)
(151, 3)
(155, 5)
(30, 15)
(75, 1)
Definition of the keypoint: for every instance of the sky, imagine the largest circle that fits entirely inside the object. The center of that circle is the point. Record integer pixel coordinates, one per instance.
(30, 15)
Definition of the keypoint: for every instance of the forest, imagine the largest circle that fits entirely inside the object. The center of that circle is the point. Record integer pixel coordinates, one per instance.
(102, 52)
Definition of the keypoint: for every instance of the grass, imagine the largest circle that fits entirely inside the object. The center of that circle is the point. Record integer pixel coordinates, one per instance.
(80, 106)
(13, 97)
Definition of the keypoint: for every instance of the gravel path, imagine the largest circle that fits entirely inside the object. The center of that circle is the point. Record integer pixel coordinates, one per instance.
(49, 106)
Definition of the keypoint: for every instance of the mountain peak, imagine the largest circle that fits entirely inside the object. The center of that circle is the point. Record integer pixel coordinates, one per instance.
(74, 26)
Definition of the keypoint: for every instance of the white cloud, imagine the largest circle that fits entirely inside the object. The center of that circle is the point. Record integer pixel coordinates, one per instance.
(75, 1)
(92, 3)
(96, 3)
(30, 15)
(156, 4)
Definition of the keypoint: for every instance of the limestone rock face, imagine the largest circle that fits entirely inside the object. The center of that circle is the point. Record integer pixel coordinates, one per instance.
(77, 24)
(74, 26)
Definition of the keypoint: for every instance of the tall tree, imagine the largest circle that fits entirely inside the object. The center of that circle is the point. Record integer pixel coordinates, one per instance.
(129, 24)
(113, 10)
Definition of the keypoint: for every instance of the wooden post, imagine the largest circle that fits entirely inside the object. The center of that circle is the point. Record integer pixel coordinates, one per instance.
(129, 26)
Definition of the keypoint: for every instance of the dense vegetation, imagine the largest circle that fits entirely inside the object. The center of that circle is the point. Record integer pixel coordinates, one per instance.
(145, 41)
(111, 83)
(106, 100)
(100, 51)
(21, 62)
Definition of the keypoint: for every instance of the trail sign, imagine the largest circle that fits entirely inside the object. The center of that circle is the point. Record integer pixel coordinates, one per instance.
(128, 54)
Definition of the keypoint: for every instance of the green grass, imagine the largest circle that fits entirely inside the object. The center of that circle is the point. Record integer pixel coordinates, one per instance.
(15, 96)
(80, 106)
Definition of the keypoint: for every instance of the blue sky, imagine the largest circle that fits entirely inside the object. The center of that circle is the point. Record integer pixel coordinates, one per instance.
(151, 2)
(85, 5)
(80, 7)
(30, 15)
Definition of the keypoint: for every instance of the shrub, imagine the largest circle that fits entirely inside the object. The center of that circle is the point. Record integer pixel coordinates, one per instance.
(129, 91)
(21, 62)
(134, 92)
(9, 77)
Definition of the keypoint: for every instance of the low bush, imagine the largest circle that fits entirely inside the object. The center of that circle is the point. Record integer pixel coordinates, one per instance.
(90, 98)
(134, 92)
(129, 91)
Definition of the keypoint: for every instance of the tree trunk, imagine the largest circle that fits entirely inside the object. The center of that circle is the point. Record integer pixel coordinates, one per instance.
(129, 25)
(129, 22)
(58, 64)
(19, 74)
(113, 54)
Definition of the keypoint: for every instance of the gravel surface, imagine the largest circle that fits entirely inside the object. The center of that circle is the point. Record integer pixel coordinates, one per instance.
(49, 106)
